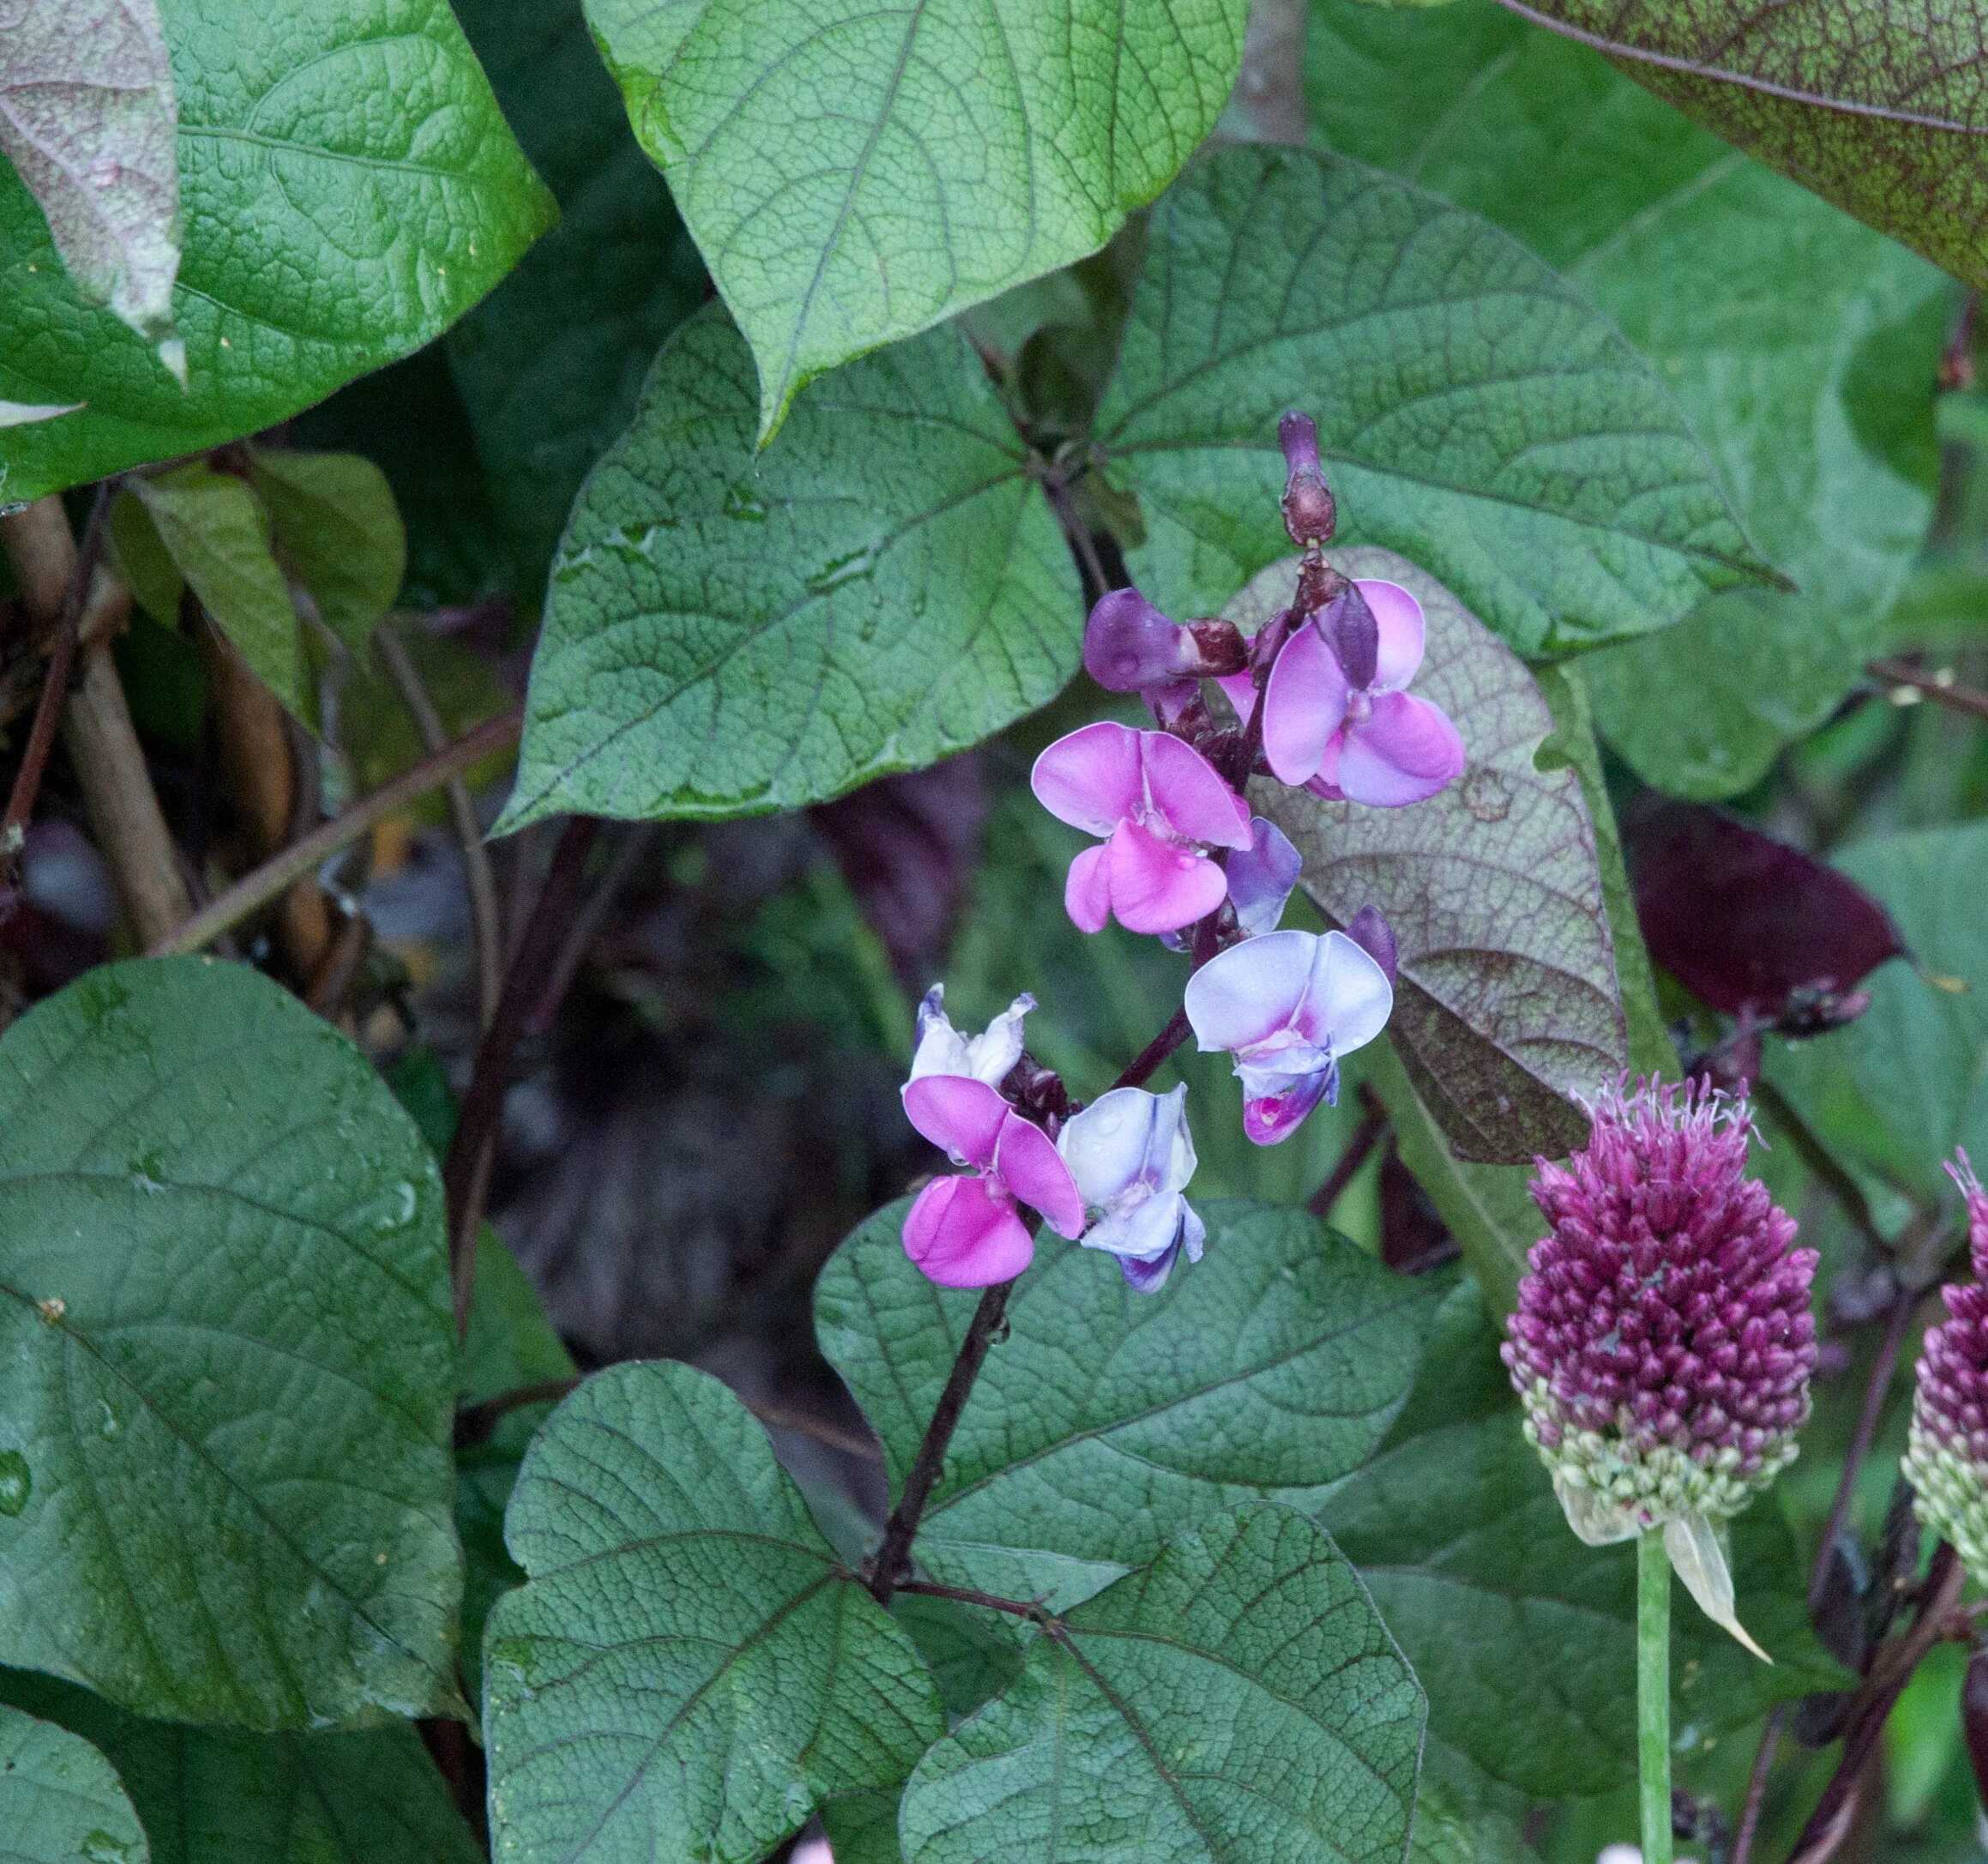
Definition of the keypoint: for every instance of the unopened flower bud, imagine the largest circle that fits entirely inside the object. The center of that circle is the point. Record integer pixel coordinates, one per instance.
(1309, 514)
(1349, 626)
(1662, 1343)
(1946, 1458)
(1370, 930)
(1129, 646)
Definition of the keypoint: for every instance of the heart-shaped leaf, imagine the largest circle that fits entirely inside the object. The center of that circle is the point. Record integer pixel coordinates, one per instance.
(349, 189)
(1507, 1000)
(224, 1457)
(1474, 410)
(223, 1796)
(853, 175)
(1110, 1420)
(729, 633)
(60, 1800)
(691, 1669)
(1237, 1701)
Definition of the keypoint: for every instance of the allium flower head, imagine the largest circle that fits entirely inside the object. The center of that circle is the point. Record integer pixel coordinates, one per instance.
(1946, 1460)
(1663, 1341)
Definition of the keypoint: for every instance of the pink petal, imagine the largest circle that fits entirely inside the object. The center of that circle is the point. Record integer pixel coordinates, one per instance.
(1244, 995)
(1326, 783)
(1302, 705)
(1186, 789)
(1405, 750)
(963, 1233)
(1398, 616)
(1241, 691)
(1090, 778)
(1348, 997)
(958, 1114)
(1029, 1165)
(1157, 887)
(1086, 894)
(1267, 1120)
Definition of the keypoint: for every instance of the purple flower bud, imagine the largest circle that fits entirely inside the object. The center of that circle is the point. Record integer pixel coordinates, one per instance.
(1129, 646)
(1310, 515)
(1663, 1341)
(1946, 1459)
(1371, 932)
(1349, 627)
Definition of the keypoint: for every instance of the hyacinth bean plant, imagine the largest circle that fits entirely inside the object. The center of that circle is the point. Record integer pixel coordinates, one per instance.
(993, 930)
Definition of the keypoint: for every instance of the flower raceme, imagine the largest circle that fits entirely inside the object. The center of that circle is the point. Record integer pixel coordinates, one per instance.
(1946, 1459)
(1663, 1343)
(1158, 806)
(1288, 1006)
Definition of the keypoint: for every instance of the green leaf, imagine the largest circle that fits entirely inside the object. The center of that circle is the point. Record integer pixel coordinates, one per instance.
(551, 363)
(86, 117)
(729, 633)
(1475, 412)
(348, 189)
(220, 1796)
(1803, 347)
(215, 530)
(862, 1827)
(1507, 1004)
(1873, 107)
(60, 1801)
(690, 1670)
(340, 531)
(225, 1305)
(1456, 1529)
(1109, 1420)
(1899, 1089)
(146, 564)
(1237, 1701)
(855, 175)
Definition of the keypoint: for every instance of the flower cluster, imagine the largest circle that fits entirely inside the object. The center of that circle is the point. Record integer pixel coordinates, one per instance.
(1321, 697)
(1663, 1343)
(1946, 1458)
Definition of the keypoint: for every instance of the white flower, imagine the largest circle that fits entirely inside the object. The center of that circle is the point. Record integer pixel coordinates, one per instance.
(986, 1057)
(1132, 1156)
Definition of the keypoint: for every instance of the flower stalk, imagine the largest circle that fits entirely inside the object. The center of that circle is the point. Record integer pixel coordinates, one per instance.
(1653, 1694)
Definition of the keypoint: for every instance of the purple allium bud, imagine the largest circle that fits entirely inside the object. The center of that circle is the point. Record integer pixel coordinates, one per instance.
(1663, 1341)
(1946, 1460)
(1310, 515)
(1129, 646)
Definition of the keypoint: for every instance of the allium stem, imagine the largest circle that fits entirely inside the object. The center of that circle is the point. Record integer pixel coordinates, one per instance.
(1654, 1693)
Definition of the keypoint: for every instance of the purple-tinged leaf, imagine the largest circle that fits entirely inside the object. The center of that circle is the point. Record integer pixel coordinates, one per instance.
(1747, 923)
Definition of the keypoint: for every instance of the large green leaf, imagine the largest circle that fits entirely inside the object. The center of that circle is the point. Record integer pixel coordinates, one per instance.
(691, 1669)
(341, 533)
(349, 189)
(1508, 1005)
(1878, 107)
(551, 363)
(61, 1802)
(854, 174)
(729, 633)
(1474, 410)
(224, 1459)
(1801, 346)
(220, 1796)
(1237, 1701)
(1523, 1637)
(1109, 1420)
(1902, 1086)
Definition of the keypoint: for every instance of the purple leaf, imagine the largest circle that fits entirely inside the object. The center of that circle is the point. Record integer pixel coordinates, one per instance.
(907, 845)
(1747, 923)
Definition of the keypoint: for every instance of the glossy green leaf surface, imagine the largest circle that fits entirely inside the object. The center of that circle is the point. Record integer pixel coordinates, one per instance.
(730, 632)
(1507, 1006)
(348, 188)
(691, 1669)
(223, 1796)
(1109, 1420)
(1237, 1702)
(224, 1462)
(854, 174)
(1475, 412)
(61, 1801)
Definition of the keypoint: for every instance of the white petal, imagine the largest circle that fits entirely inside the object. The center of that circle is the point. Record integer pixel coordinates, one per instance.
(1106, 1145)
(1170, 1159)
(1348, 997)
(992, 1053)
(1244, 994)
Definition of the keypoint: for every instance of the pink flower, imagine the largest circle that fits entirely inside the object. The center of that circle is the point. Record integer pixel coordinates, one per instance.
(1159, 804)
(1288, 1005)
(963, 1231)
(1337, 715)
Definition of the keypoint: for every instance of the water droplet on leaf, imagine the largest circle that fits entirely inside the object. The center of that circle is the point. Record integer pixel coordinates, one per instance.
(16, 1482)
